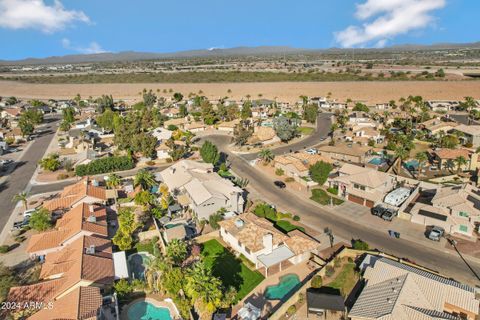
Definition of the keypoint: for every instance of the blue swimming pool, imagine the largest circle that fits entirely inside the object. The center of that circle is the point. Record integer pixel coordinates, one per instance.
(143, 310)
(411, 165)
(377, 161)
(287, 283)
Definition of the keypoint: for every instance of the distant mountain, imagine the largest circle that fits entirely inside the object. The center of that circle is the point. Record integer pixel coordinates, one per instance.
(217, 52)
(137, 56)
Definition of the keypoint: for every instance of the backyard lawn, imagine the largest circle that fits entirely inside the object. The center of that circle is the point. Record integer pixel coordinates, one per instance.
(306, 130)
(230, 269)
(345, 280)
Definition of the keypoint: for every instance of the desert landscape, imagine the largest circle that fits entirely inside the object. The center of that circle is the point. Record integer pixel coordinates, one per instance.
(368, 91)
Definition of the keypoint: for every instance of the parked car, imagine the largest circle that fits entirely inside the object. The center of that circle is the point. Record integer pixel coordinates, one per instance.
(311, 151)
(436, 233)
(21, 224)
(378, 211)
(6, 162)
(280, 184)
(28, 213)
(389, 214)
(13, 150)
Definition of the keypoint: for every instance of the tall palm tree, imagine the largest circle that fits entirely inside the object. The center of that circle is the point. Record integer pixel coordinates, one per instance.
(266, 155)
(113, 181)
(402, 154)
(145, 179)
(421, 157)
(22, 196)
(450, 164)
(460, 161)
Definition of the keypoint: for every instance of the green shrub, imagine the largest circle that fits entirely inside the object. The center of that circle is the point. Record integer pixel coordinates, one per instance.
(4, 249)
(296, 218)
(316, 282)
(279, 172)
(289, 179)
(360, 245)
(104, 165)
(350, 260)
(291, 310)
(286, 226)
(333, 191)
(329, 271)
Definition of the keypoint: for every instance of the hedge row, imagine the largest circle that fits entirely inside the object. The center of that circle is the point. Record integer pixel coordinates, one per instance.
(104, 165)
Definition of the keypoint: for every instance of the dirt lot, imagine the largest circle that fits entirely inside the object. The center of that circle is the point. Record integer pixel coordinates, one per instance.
(372, 92)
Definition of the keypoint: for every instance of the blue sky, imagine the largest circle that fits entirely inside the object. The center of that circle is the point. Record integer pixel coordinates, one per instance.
(40, 28)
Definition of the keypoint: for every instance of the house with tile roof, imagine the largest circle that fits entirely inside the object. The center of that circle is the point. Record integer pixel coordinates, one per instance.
(83, 303)
(471, 134)
(365, 186)
(206, 191)
(436, 125)
(454, 208)
(76, 194)
(296, 165)
(85, 262)
(82, 220)
(269, 249)
(447, 159)
(346, 152)
(395, 291)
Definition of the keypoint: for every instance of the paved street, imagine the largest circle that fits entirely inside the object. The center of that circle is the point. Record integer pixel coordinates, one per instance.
(17, 180)
(318, 218)
(321, 132)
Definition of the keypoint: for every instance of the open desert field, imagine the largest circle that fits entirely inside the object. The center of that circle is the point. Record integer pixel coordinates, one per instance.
(368, 91)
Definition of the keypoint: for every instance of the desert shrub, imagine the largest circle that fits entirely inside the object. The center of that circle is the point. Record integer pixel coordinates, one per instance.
(289, 179)
(4, 249)
(279, 172)
(316, 282)
(296, 218)
(329, 271)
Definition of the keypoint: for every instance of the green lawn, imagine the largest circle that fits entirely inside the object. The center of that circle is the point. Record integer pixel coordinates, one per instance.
(230, 269)
(345, 280)
(321, 196)
(286, 226)
(306, 130)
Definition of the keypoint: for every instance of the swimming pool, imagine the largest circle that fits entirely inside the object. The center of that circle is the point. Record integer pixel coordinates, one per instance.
(287, 283)
(136, 264)
(377, 161)
(412, 165)
(144, 310)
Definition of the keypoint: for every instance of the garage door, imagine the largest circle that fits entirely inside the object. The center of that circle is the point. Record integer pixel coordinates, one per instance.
(355, 199)
(369, 203)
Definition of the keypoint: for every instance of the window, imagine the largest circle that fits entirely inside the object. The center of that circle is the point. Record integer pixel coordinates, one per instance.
(464, 214)
(463, 228)
(247, 250)
(359, 186)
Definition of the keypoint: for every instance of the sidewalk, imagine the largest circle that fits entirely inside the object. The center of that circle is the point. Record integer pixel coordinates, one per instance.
(360, 215)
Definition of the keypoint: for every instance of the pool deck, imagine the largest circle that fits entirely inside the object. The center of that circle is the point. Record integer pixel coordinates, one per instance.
(257, 298)
(150, 299)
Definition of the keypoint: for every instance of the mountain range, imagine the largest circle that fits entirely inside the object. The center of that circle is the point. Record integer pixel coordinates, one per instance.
(218, 52)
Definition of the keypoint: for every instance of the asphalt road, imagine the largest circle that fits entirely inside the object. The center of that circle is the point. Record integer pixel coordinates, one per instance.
(319, 219)
(17, 180)
(320, 134)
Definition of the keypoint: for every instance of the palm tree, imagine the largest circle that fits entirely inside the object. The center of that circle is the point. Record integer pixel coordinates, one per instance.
(421, 157)
(266, 155)
(22, 196)
(450, 164)
(113, 181)
(460, 161)
(204, 289)
(145, 179)
(401, 153)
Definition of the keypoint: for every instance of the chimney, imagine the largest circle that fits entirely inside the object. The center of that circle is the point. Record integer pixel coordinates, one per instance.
(268, 243)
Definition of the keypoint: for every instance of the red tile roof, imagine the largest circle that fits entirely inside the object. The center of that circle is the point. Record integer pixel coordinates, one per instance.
(74, 193)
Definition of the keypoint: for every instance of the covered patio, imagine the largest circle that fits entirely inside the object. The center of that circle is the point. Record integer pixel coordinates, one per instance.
(275, 261)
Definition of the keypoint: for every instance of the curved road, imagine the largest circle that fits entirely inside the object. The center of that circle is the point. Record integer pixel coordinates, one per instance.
(318, 218)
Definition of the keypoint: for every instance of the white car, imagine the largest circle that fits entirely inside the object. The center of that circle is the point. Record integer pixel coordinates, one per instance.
(28, 213)
(311, 151)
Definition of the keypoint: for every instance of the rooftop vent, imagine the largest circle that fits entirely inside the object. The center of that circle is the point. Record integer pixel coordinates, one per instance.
(90, 249)
(389, 300)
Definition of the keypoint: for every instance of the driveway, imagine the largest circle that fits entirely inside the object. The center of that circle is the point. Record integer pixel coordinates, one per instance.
(18, 179)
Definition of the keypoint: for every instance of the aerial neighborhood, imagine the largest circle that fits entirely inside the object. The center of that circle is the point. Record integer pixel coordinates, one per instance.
(198, 208)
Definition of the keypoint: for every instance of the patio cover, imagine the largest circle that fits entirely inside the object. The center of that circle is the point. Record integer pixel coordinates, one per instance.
(278, 255)
(120, 265)
(249, 312)
(183, 200)
(318, 301)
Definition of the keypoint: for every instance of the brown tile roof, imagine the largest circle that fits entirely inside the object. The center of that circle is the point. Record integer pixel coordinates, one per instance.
(71, 224)
(254, 228)
(453, 153)
(82, 304)
(66, 268)
(74, 193)
(13, 111)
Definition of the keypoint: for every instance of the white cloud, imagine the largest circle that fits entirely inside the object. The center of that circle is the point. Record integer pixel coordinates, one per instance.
(93, 47)
(385, 19)
(36, 14)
